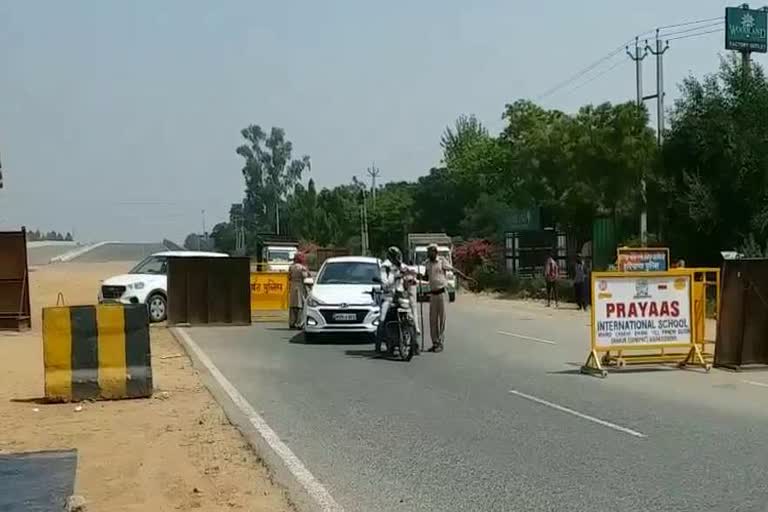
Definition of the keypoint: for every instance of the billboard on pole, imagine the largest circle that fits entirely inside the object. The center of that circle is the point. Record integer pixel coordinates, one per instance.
(746, 30)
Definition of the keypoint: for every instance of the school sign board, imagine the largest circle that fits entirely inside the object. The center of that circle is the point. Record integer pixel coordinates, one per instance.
(639, 310)
(642, 259)
(746, 30)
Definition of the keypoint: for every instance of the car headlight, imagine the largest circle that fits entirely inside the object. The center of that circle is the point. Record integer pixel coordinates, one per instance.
(135, 286)
(313, 302)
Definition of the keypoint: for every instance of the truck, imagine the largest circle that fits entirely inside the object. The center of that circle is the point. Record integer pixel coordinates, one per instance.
(274, 253)
(417, 252)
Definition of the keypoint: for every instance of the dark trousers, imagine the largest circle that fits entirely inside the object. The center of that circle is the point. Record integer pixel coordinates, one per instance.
(551, 291)
(581, 296)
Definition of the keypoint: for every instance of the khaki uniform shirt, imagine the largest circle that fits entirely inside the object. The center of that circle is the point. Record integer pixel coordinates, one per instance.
(435, 271)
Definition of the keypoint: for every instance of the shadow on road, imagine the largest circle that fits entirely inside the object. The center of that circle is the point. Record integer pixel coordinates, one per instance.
(372, 354)
(331, 339)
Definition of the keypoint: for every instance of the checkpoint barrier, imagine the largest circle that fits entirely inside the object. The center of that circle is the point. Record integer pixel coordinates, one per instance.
(269, 295)
(742, 335)
(208, 291)
(14, 281)
(96, 352)
(650, 317)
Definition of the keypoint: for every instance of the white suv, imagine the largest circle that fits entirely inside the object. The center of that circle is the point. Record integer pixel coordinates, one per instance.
(340, 300)
(146, 283)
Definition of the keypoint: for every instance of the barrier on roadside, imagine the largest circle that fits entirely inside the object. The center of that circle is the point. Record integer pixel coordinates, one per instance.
(96, 352)
(269, 295)
(208, 291)
(742, 334)
(649, 317)
(14, 281)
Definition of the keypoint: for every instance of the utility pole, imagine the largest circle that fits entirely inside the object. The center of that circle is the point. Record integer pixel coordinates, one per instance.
(638, 57)
(661, 48)
(374, 173)
(364, 225)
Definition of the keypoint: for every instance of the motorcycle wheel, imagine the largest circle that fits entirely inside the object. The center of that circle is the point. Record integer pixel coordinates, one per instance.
(406, 344)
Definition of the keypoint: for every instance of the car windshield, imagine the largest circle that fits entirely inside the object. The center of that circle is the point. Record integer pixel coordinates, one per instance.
(150, 265)
(282, 256)
(349, 272)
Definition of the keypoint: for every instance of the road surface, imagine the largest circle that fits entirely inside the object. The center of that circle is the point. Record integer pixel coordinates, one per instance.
(122, 251)
(502, 420)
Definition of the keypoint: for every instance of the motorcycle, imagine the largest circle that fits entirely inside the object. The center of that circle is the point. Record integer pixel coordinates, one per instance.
(399, 327)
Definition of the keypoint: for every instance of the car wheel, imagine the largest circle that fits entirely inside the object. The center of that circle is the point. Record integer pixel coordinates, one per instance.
(158, 307)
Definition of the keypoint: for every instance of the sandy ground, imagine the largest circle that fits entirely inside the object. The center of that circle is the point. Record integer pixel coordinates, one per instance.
(176, 451)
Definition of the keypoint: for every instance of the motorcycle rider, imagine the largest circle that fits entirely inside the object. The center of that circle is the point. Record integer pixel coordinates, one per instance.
(395, 276)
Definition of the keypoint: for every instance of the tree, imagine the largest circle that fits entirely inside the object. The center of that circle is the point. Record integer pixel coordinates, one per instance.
(714, 164)
(68, 238)
(269, 174)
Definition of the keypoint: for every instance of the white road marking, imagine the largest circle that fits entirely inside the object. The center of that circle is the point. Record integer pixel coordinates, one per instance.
(579, 414)
(311, 485)
(755, 383)
(530, 338)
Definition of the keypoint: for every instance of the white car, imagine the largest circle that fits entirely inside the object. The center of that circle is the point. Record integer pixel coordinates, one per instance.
(340, 300)
(146, 283)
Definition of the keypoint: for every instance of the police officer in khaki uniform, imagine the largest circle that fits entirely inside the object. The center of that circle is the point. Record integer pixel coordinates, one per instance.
(435, 269)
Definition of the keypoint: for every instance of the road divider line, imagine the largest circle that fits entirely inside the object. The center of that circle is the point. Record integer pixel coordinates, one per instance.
(755, 383)
(578, 414)
(324, 502)
(529, 338)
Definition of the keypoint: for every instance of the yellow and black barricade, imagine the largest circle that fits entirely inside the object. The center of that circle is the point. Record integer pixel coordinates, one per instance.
(652, 317)
(96, 352)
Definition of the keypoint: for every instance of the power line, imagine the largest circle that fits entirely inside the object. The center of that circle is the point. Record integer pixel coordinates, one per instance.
(693, 29)
(581, 73)
(697, 34)
(685, 24)
(595, 77)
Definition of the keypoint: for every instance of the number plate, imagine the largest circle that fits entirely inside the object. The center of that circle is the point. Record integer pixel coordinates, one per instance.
(344, 317)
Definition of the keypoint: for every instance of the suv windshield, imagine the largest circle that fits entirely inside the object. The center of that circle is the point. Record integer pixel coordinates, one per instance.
(151, 265)
(280, 256)
(349, 273)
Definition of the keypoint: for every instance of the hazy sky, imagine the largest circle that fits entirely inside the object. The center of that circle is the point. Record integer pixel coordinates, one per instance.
(120, 119)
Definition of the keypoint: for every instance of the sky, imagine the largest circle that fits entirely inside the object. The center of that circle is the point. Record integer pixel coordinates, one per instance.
(119, 120)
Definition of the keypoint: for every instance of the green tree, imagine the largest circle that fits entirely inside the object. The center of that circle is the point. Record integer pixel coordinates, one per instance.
(714, 164)
(269, 173)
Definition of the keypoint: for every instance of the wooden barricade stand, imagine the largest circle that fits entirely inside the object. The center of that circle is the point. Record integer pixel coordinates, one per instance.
(648, 318)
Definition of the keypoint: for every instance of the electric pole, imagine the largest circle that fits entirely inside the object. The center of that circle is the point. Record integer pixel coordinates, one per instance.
(364, 224)
(638, 57)
(659, 53)
(374, 173)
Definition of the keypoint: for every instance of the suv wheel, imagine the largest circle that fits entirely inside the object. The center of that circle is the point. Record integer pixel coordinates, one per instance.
(158, 307)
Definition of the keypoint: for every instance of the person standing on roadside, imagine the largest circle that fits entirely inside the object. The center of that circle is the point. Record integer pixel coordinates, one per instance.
(297, 273)
(551, 274)
(579, 283)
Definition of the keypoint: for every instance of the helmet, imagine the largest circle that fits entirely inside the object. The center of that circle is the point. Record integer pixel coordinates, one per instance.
(394, 255)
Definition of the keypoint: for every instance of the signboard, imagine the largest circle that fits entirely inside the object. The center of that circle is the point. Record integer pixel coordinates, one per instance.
(523, 220)
(638, 310)
(642, 259)
(746, 30)
(269, 291)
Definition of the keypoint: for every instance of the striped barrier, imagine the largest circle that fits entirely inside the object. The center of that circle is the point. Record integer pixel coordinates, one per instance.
(93, 352)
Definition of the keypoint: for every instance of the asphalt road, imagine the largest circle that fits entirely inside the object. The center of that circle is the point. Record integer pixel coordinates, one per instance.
(120, 252)
(503, 422)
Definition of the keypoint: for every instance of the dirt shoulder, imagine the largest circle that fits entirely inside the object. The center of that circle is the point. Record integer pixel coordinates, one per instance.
(176, 451)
